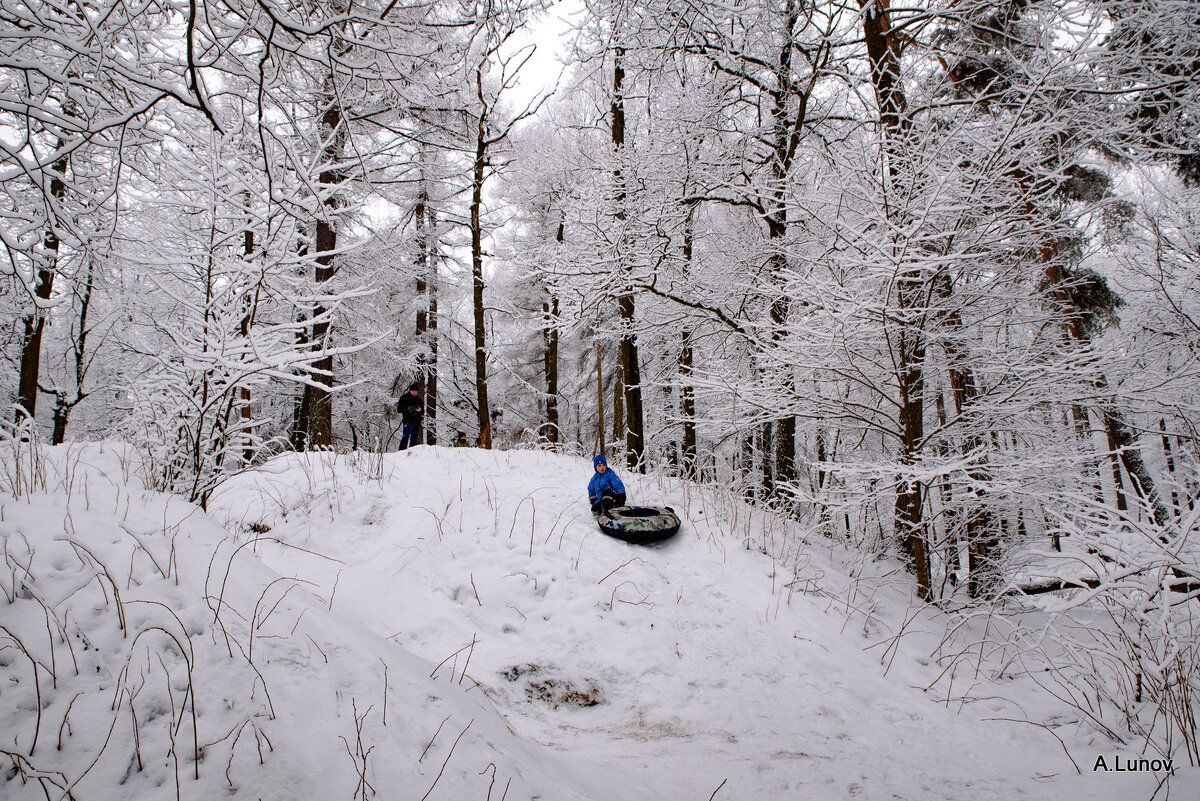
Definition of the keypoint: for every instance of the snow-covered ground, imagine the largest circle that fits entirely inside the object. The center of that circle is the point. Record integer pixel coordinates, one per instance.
(449, 624)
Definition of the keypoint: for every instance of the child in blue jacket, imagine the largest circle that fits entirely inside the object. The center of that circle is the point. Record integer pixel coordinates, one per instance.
(605, 490)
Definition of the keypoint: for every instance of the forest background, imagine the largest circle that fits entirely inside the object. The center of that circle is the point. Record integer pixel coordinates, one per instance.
(922, 278)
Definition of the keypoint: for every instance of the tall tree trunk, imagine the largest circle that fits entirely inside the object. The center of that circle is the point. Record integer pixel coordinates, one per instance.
(910, 341)
(480, 165)
(300, 407)
(426, 324)
(1114, 461)
(244, 331)
(743, 466)
(35, 320)
(687, 403)
(981, 529)
(333, 133)
(1118, 432)
(618, 428)
(420, 269)
(687, 390)
(427, 318)
(884, 53)
(1169, 455)
(635, 440)
(320, 402)
(631, 379)
(431, 366)
(822, 458)
(550, 429)
(945, 534)
(783, 432)
(63, 406)
(202, 441)
(62, 411)
(910, 355)
(600, 399)
(1123, 441)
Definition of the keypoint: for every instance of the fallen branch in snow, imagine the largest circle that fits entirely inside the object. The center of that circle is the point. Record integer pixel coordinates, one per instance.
(429, 744)
(1186, 585)
(37, 685)
(333, 592)
(615, 569)
(314, 642)
(220, 599)
(385, 690)
(233, 750)
(255, 622)
(470, 653)
(103, 747)
(1047, 728)
(447, 762)
(613, 598)
(65, 725)
(236, 733)
(1053, 585)
(142, 546)
(27, 770)
(470, 645)
(220, 604)
(894, 641)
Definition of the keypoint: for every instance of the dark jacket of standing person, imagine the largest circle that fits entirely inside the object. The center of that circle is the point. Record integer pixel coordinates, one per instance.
(411, 409)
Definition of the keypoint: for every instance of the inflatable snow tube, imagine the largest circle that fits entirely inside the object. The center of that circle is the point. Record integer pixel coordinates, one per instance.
(639, 524)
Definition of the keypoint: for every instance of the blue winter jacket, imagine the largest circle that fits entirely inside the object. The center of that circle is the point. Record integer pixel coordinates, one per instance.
(602, 482)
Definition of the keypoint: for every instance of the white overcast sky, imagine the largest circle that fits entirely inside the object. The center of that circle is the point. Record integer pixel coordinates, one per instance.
(551, 34)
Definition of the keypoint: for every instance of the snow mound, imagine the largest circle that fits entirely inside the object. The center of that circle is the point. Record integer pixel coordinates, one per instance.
(147, 653)
(449, 624)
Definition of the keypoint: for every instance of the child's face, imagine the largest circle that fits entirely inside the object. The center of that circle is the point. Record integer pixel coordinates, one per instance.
(600, 468)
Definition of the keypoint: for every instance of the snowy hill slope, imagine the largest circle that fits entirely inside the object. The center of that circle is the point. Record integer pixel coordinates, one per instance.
(708, 668)
(449, 624)
(146, 636)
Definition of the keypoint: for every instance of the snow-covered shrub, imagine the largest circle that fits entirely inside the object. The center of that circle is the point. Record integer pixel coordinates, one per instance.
(1128, 656)
(22, 468)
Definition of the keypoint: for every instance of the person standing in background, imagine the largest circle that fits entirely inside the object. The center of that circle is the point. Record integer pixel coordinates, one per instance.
(412, 410)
